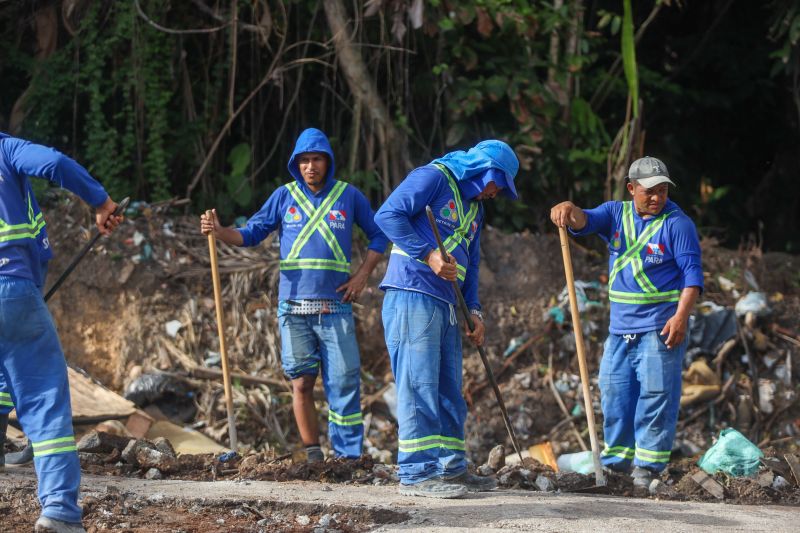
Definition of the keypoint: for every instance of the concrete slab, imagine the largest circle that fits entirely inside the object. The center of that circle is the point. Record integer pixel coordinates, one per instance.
(492, 512)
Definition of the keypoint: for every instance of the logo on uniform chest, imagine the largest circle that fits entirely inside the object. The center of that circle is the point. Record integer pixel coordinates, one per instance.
(337, 219)
(654, 253)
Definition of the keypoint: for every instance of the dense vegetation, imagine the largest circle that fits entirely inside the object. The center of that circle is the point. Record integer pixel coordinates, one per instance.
(204, 98)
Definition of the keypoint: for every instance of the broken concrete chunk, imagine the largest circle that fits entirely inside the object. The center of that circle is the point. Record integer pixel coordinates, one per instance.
(709, 484)
(163, 445)
(766, 478)
(485, 470)
(152, 458)
(545, 484)
(90, 459)
(101, 442)
(497, 458)
(129, 454)
(153, 473)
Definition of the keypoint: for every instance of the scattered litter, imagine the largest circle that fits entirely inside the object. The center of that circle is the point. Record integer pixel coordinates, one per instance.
(753, 302)
(732, 454)
(580, 462)
(172, 327)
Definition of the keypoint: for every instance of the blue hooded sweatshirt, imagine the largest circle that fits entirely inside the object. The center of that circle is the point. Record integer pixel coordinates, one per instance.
(24, 247)
(315, 229)
(449, 186)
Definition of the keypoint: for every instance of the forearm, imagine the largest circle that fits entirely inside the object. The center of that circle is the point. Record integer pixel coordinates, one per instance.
(369, 264)
(230, 236)
(686, 302)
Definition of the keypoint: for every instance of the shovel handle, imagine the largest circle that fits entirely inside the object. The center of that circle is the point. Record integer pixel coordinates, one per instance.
(600, 478)
(226, 376)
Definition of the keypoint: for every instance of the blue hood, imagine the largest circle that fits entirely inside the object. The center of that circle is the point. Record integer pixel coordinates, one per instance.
(471, 166)
(312, 140)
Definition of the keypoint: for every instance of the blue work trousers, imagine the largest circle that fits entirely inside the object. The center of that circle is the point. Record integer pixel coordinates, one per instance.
(328, 342)
(640, 390)
(424, 344)
(34, 371)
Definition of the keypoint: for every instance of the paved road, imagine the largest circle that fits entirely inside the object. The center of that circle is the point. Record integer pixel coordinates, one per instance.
(493, 512)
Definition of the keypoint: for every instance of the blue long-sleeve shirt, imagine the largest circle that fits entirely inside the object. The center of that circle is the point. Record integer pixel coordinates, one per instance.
(24, 246)
(404, 221)
(307, 278)
(671, 260)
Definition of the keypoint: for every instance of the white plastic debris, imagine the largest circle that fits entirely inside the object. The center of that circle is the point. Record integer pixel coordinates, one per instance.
(753, 302)
(173, 326)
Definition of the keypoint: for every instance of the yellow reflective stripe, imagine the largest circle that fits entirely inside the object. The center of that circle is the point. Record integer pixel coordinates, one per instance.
(461, 270)
(653, 456)
(316, 221)
(5, 395)
(22, 231)
(5, 399)
(432, 441)
(631, 255)
(644, 298)
(315, 264)
(53, 446)
(458, 236)
(349, 420)
(619, 451)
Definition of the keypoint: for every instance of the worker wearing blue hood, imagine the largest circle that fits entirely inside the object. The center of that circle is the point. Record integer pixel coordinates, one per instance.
(419, 317)
(314, 216)
(33, 371)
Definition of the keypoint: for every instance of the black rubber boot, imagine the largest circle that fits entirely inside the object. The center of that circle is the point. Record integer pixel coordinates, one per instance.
(3, 427)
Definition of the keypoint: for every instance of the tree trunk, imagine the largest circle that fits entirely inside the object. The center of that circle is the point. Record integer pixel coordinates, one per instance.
(394, 144)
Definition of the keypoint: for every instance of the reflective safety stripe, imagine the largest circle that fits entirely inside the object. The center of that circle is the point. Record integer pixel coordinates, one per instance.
(461, 270)
(349, 420)
(28, 230)
(619, 451)
(461, 232)
(634, 247)
(53, 446)
(432, 441)
(5, 399)
(652, 456)
(315, 264)
(316, 223)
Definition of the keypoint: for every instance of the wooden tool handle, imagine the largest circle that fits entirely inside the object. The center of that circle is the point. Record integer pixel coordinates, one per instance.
(579, 345)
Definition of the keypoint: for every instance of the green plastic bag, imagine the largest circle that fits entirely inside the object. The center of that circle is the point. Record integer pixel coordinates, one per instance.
(732, 454)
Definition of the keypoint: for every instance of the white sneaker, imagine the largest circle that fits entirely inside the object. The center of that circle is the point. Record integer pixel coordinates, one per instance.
(51, 525)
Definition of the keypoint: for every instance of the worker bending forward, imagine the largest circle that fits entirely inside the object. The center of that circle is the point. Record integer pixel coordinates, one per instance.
(655, 277)
(419, 314)
(315, 215)
(33, 371)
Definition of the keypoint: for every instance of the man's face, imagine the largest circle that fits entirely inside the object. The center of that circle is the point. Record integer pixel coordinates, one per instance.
(313, 167)
(488, 192)
(648, 201)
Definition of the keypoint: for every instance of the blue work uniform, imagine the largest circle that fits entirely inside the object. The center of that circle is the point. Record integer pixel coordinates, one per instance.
(316, 232)
(33, 372)
(651, 260)
(419, 316)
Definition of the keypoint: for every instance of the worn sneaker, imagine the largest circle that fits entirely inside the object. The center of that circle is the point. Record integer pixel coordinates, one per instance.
(51, 525)
(314, 454)
(433, 488)
(21, 457)
(474, 483)
(641, 480)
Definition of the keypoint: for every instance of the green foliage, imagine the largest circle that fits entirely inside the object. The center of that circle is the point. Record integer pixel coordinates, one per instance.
(236, 182)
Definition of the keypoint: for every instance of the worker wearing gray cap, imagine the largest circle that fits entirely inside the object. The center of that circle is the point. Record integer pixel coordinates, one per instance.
(655, 277)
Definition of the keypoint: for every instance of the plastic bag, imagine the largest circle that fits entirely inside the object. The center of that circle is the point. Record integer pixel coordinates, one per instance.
(732, 454)
(580, 462)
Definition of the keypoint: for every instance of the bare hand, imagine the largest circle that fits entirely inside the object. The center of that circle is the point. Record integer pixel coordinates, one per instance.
(210, 224)
(105, 219)
(675, 329)
(352, 288)
(568, 214)
(444, 268)
(476, 335)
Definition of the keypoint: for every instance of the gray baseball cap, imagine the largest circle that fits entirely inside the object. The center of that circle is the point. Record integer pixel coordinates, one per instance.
(649, 172)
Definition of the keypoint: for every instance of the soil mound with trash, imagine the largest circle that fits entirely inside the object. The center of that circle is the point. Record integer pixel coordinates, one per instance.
(138, 316)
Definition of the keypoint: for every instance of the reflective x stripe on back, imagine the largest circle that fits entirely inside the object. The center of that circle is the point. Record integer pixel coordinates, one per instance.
(633, 247)
(316, 223)
(460, 233)
(28, 230)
